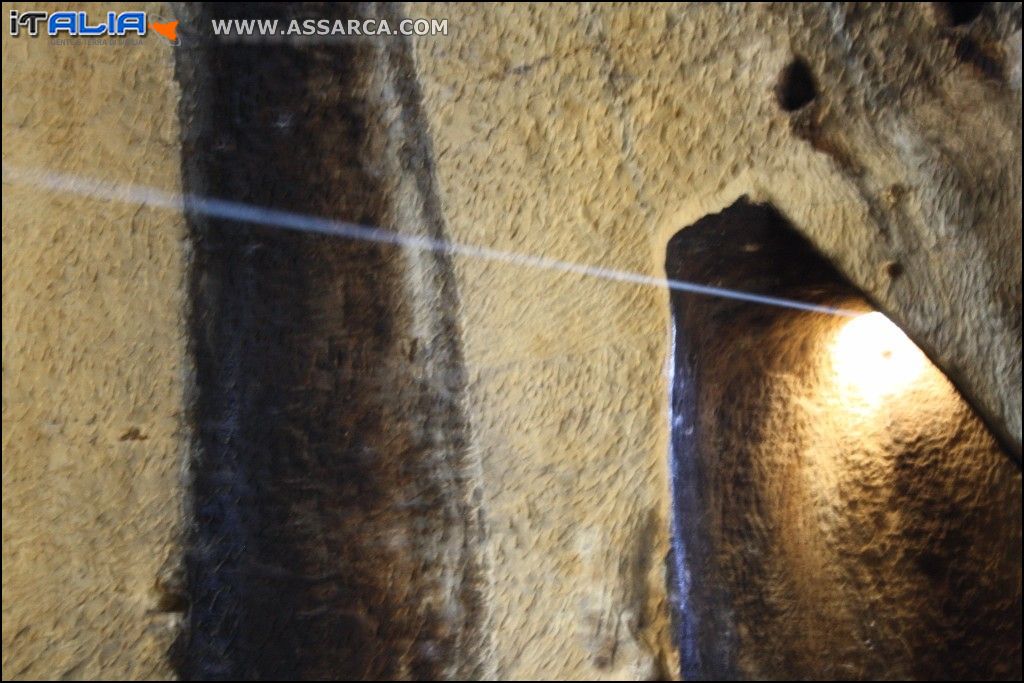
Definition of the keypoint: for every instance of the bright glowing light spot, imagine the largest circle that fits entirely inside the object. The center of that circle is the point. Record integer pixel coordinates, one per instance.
(873, 357)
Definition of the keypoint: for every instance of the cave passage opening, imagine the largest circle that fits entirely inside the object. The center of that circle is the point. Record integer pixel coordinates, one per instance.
(839, 510)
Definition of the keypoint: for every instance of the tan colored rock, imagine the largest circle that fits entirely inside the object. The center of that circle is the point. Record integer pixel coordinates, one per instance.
(840, 511)
(589, 134)
(592, 134)
(94, 364)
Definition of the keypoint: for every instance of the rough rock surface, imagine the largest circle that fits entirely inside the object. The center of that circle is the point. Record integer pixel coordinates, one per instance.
(588, 133)
(94, 368)
(332, 533)
(592, 134)
(842, 513)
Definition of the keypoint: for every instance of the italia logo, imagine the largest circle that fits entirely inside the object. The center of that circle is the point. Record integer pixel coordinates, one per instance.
(116, 24)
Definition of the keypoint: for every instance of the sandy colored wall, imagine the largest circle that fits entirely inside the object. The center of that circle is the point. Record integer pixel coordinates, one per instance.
(93, 363)
(592, 134)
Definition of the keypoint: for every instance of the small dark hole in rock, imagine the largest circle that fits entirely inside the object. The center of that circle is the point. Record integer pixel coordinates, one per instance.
(172, 601)
(133, 434)
(796, 87)
(960, 13)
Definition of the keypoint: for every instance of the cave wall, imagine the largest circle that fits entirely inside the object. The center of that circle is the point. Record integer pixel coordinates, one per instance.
(94, 363)
(585, 133)
(332, 533)
(841, 511)
(593, 134)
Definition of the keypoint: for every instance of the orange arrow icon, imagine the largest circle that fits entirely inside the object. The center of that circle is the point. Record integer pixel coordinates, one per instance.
(168, 29)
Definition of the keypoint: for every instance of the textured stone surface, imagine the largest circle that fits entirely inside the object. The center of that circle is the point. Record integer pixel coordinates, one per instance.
(592, 134)
(93, 364)
(332, 530)
(589, 133)
(842, 512)
(596, 132)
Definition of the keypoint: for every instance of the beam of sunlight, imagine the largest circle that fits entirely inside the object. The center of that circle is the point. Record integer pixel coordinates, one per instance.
(287, 220)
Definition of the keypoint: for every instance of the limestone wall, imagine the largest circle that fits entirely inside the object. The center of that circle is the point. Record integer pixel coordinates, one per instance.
(94, 368)
(841, 512)
(585, 133)
(592, 134)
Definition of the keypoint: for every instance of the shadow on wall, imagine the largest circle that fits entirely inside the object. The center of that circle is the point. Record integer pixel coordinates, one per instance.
(329, 498)
(840, 511)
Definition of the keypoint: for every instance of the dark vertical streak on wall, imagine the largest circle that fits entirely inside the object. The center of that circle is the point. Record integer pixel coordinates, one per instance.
(318, 496)
(445, 371)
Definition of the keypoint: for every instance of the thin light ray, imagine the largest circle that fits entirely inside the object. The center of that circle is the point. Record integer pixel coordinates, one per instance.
(287, 220)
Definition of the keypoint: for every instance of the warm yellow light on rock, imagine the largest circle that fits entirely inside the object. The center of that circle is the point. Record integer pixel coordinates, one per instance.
(874, 358)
